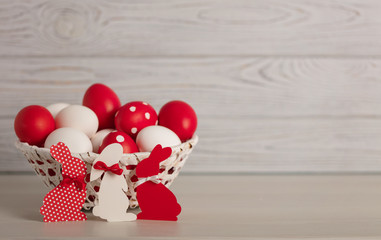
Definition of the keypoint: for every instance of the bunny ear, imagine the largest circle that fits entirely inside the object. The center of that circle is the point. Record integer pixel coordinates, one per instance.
(60, 152)
(156, 149)
(110, 155)
(159, 154)
(155, 153)
(166, 153)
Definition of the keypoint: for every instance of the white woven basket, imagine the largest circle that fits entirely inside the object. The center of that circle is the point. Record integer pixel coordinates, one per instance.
(49, 169)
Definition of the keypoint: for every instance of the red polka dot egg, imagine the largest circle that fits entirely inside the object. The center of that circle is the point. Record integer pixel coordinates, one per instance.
(134, 116)
(129, 146)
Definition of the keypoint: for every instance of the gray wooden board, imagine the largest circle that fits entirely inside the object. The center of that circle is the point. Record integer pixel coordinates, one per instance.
(190, 28)
(255, 114)
(284, 86)
(218, 207)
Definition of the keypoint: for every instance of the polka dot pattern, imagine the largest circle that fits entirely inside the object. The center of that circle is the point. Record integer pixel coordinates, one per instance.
(128, 162)
(120, 138)
(134, 116)
(64, 202)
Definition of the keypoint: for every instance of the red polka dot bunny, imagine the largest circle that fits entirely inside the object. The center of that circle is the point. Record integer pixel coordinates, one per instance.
(65, 201)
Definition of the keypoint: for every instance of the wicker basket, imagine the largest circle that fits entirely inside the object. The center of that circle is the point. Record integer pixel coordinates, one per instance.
(49, 169)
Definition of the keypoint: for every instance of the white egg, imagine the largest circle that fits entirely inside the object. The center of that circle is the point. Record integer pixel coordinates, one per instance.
(55, 108)
(97, 139)
(76, 140)
(150, 136)
(78, 117)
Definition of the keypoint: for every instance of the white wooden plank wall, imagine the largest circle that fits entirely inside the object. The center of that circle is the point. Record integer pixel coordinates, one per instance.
(279, 86)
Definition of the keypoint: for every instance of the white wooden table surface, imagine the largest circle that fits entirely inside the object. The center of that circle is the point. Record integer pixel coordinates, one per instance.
(219, 207)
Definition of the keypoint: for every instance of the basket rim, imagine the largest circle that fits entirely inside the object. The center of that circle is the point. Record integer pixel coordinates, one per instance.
(24, 145)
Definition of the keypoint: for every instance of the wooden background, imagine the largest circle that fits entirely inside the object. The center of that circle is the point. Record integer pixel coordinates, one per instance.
(279, 86)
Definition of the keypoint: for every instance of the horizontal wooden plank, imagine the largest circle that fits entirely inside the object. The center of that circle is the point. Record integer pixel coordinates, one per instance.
(190, 28)
(255, 114)
(218, 88)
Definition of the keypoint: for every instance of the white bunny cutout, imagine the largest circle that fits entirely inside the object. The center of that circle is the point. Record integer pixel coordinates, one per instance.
(112, 201)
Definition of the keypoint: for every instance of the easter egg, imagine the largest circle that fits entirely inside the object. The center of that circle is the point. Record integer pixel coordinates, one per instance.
(104, 102)
(78, 117)
(134, 116)
(129, 146)
(55, 108)
(97, 139)
(33, 124)
(150, 136)
(77, 141)
(180, 118)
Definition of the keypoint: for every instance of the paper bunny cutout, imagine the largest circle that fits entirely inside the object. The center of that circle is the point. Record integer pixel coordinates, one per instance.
(156, 201)
(113, 202)
(65, 201)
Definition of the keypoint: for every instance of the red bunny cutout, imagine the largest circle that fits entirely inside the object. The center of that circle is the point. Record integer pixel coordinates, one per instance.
(65, 201)
(156, 201)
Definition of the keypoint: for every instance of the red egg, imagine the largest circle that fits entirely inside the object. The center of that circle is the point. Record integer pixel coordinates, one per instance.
(129, 146)
(134, 116)
(180, 118)
(104, 102)
(33, 124)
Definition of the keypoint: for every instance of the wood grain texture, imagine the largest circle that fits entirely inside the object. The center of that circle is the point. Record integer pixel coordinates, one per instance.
(255, 114)
(284, 86)
(190, 28)
(216, 87)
